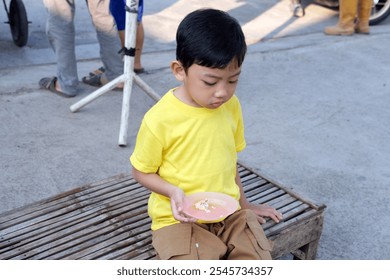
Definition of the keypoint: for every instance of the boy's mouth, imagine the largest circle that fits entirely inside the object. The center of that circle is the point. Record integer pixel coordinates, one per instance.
(217, 104)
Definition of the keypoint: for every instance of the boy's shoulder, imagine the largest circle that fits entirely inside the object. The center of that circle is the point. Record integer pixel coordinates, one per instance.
(233, 103)
(162, 110)
(162, 104)
(234, 100)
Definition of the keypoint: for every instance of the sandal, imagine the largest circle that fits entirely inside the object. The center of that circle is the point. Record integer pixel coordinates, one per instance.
(49, 83)
(101, 70)
(98, 71)
(93, 80)
(139, 71)
(96, 81)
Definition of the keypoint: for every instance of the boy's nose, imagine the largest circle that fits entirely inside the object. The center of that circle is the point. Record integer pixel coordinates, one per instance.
(221, 92)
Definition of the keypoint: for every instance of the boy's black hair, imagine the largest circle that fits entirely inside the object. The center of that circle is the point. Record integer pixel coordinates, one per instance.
(210, 38)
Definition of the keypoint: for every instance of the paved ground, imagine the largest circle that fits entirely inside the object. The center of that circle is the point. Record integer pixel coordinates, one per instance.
(315, 108)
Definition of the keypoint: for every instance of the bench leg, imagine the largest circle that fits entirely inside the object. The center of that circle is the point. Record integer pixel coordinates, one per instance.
(307, 252)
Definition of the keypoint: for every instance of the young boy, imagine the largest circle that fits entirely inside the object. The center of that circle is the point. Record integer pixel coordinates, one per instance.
(188, 143)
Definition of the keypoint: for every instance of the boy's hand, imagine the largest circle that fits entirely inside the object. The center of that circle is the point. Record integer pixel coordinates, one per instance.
(263, 210)
(177, 197)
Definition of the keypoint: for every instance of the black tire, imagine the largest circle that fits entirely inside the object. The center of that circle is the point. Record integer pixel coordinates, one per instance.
(380, 12)
(18, 22)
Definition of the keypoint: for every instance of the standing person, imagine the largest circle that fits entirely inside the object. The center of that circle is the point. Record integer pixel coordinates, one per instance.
(60, 30)
(188, 142)
(354, 17)
(118, 10)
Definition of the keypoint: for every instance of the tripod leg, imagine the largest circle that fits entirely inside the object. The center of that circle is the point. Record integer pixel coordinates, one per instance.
(125, 112)
(97, 93)
(146, 88)
(130, 37)
(126, 78)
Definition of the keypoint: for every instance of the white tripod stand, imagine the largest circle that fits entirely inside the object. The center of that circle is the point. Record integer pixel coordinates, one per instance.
(127, 77)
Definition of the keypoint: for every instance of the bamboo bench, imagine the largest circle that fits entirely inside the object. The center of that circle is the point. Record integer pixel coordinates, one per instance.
(108, 220)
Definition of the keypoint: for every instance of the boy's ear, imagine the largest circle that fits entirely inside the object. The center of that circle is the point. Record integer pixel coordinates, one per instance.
(178, 70)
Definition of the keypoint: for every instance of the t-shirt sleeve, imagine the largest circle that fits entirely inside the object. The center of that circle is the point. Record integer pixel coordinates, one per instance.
(147, 153)
(239, 135)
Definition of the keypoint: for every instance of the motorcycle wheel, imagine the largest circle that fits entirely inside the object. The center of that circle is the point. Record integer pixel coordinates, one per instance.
(18, 22)
(380, 11)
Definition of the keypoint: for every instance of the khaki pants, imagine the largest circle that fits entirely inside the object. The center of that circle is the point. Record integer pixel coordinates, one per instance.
(238, 237)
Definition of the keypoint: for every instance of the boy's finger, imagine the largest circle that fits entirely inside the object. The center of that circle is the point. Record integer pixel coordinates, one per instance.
(261, 219)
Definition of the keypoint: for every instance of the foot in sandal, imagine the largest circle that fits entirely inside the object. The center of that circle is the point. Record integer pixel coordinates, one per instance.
(99, 80)
(50, 84)
(101, 70)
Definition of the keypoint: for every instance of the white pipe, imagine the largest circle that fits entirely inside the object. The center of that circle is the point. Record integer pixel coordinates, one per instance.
(130, 36)
(126, 78)
(97, 93)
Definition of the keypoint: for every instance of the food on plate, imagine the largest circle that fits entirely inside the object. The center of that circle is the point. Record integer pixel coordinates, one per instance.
(204, 205)
(209, 206)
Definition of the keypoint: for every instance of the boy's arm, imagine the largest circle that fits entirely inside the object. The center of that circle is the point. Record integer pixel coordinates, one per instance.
(155, 183)
(261, 210)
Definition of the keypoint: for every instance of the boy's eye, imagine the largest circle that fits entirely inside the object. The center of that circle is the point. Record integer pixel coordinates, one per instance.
(233, 82)
(210, 84)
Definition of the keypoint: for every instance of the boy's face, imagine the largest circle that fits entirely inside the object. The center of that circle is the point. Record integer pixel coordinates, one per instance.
(206, 87)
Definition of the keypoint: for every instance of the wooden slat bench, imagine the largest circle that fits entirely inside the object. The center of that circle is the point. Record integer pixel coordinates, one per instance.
(108, 220)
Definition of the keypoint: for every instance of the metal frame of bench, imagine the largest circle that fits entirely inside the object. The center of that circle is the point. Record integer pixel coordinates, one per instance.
(108, 220)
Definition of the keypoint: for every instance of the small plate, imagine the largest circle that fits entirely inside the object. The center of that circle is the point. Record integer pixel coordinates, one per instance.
(209, 206)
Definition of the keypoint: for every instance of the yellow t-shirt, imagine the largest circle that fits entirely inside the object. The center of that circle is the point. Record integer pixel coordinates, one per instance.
(189, 147)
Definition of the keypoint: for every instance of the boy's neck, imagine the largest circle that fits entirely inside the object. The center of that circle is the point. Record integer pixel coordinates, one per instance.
(179, 93)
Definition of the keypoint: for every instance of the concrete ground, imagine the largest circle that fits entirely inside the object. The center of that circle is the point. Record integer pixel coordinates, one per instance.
(315, 109)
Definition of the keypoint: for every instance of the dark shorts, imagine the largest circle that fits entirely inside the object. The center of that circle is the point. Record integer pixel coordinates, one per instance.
(238, 237)
(117, 8)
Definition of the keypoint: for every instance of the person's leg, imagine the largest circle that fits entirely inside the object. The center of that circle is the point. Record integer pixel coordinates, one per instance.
(118, 11)
(122, 37)
(140, 33)
(363, 16)
(61, 35)
(346, 22)
(139, 43)
(245, 237)
(138, 46)
(139, 40)
(107, 35)
(187, 241)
